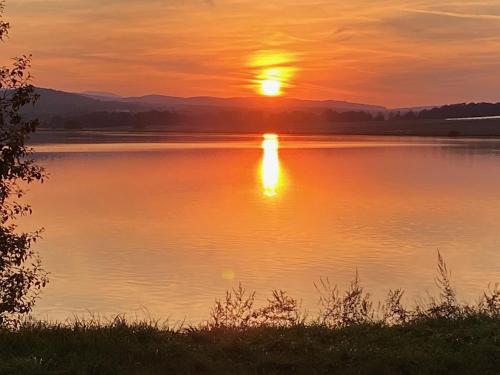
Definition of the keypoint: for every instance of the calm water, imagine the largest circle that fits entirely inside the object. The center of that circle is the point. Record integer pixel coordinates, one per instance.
(164, 228)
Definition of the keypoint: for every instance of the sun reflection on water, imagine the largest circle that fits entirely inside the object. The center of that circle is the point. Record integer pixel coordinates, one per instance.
(270, 169)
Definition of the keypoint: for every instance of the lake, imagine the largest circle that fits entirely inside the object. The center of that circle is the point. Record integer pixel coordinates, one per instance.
(161, 225)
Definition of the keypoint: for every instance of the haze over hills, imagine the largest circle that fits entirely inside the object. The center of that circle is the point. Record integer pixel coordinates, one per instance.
(277, 103)
(53, 102)
(100, 95)
(56, 102)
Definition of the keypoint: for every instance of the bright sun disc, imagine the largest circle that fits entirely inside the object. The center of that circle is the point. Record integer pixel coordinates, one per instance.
(270, 87)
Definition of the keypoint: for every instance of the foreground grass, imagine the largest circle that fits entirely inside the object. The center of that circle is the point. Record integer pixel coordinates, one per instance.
(431, 346)
(349, 336)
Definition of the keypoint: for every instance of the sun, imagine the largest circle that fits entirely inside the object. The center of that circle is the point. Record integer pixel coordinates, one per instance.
(273, 72)
(270, 87)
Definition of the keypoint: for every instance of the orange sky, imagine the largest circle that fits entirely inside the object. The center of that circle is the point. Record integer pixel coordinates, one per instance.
(395, 53)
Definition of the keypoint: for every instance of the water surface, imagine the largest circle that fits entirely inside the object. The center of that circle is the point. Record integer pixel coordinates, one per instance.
(135, 226)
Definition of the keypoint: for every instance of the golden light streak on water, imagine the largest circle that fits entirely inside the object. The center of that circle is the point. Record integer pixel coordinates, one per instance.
(270, 169)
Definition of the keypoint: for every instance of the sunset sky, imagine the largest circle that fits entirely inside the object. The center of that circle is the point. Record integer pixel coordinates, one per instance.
(394, 53)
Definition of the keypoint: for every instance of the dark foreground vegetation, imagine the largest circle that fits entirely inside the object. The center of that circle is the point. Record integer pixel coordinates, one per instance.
(349, 336)
(469, 345)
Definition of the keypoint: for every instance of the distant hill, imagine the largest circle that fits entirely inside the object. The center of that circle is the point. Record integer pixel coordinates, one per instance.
(101, 95)
(264, 103)
(53, 102)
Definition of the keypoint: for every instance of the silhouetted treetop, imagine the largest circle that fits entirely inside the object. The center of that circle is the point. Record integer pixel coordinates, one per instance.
(461, 110)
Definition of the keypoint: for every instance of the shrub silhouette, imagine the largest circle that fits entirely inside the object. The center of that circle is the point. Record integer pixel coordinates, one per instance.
(281, 311)
(21, 275)
(393, 310)
(340, 309)
(235, 311)
(446, 306)
(490, 302)
(344, 309)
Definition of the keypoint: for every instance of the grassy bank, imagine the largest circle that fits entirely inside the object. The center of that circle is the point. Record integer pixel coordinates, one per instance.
(431, 346)
(350, 335)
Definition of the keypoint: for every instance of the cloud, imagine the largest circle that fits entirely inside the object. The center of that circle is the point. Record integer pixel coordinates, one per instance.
(494, 17)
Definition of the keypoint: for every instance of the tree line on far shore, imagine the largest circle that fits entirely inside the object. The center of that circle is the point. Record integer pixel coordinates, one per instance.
(144, 119)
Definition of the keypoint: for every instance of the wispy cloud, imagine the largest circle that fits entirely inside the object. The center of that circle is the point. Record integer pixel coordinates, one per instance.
(494, 17)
